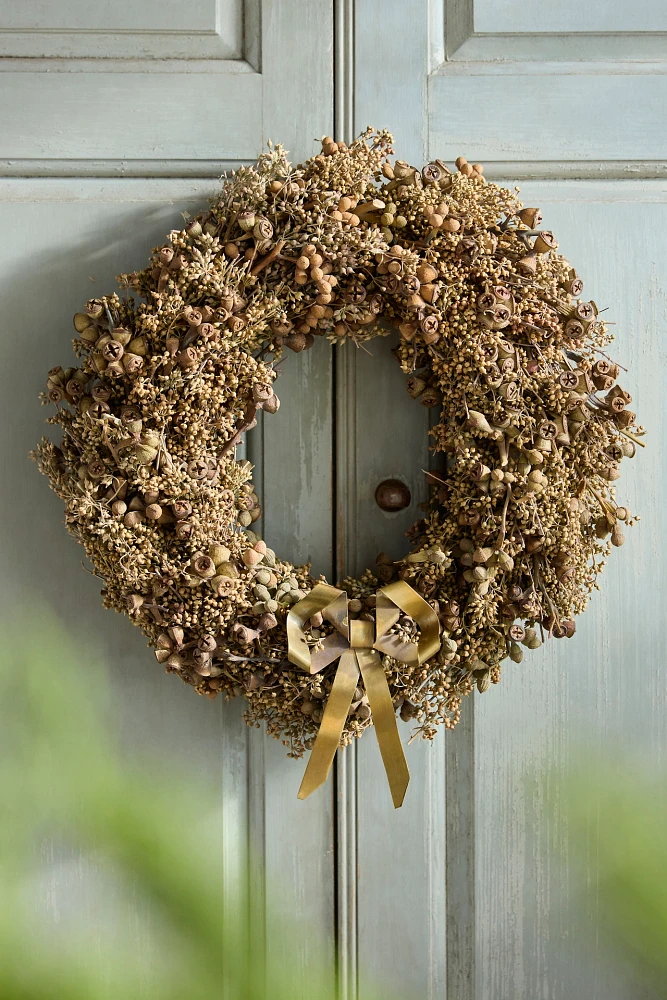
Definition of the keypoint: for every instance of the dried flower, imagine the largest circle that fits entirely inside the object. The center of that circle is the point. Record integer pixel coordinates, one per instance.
(493, 338)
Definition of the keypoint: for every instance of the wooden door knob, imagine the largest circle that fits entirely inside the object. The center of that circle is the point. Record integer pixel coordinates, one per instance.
(392, 494)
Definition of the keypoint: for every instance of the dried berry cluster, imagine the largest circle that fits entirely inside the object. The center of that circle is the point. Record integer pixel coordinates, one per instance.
(494, 334)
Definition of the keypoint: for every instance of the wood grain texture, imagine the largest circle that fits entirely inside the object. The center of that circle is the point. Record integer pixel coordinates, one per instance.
(86, 226)
(507, 31)
(385, 435)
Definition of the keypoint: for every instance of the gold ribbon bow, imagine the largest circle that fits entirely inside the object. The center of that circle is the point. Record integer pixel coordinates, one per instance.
(355, 646)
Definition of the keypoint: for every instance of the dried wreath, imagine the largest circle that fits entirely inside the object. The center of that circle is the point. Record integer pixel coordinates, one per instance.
(533, 427)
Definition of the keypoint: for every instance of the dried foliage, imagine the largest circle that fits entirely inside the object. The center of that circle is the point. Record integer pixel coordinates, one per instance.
(494, 334)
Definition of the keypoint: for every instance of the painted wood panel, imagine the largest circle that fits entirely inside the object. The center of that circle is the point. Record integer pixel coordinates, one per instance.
(548, 112)
(111, 115)
(129, 93)
(202, 29)
(601, 694)
(544, 106)
(383, 434)
(152, 113)
(53, 249)
(69, 238)
(540, 16)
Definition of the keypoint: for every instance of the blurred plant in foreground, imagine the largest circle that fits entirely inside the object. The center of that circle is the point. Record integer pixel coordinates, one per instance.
(60, 778)
(621, 846)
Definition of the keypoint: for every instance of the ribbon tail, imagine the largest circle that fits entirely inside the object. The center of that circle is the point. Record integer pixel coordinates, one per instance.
(384, 720)
(331, 727)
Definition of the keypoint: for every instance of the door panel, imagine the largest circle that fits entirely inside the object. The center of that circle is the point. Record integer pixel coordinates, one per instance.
(602, 692)
(494, 83)
(457, 894)
(150, 90)
(189, 98)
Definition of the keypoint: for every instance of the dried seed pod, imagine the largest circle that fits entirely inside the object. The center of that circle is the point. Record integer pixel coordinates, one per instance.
(415, 386)
(181, 508)
(183, 530)
(219, 553)
(432, 173)
(515, 652)
(617, 536)
(544, 243)
(528, 264)
(203, 566)
(531, 640)
(430, 397)
(483, 681)
(426, 273)
(192, 316)
(479, 422)
(530, 217)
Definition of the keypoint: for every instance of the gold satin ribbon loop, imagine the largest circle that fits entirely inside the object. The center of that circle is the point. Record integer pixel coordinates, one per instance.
(355, 646)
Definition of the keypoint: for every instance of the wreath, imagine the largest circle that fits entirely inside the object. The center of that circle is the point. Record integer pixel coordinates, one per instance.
(495, 337)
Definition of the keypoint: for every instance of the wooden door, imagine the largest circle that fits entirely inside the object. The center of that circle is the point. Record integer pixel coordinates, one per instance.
(121, 118)
(570, 102)
(115, 118)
